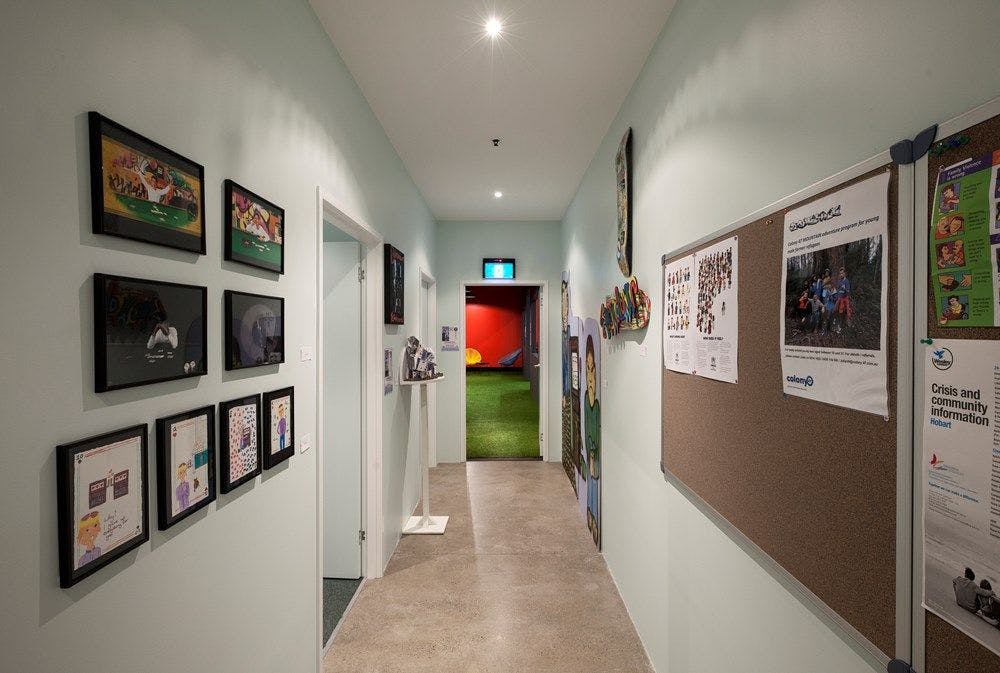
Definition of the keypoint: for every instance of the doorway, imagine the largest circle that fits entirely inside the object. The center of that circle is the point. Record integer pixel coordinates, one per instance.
(502, 390)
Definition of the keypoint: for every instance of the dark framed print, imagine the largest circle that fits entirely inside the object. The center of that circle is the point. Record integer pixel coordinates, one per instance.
(254, 330)
(279, 420)
(239, 441)
(102, 501)
(253, 229)
(141, 190)
(185, 464)
(395, 281)
(147, 331)
(623, 173)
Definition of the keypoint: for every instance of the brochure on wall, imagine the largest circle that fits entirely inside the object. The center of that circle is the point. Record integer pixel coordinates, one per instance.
(715, 328)
(449, 338)
(962, 486)
(678, 296)
(833, 309)
(387, 375)
(965, 243)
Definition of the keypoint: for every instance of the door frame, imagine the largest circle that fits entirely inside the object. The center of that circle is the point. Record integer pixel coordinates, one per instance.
(372, 281)
(426, 277)
(543, 341)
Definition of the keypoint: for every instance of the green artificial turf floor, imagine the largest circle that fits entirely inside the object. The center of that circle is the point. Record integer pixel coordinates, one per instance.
(501, 417)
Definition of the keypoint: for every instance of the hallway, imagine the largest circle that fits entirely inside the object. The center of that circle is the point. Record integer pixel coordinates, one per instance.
(514, 585)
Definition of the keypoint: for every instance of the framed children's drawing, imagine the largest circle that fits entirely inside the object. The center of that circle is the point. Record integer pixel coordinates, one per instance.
(139, 189)
(279, 417)
(395, 282)
(102, 501)
(253, 229)
(254, 330)
(147, 331)
(185, 464)
(239, 441)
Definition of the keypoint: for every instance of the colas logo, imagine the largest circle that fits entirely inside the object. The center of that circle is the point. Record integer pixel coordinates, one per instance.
(806, 381)
(942, 358)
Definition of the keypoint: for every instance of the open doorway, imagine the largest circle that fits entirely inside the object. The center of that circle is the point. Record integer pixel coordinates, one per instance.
(503, 381)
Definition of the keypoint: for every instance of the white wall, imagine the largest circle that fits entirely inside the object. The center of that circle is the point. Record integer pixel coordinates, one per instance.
(461, 247)
(740, 104)
(256, 92)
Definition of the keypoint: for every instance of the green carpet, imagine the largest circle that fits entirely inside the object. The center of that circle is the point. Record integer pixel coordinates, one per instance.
(501, 419)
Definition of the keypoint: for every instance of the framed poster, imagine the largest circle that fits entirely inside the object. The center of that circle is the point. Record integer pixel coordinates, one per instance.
(279, 419)
(239, 441)
(147, 331)
(185, 464)
(623, 172)
(254, 330)
(395, 281)
(253, 229)
(102, 501)
(139, 189)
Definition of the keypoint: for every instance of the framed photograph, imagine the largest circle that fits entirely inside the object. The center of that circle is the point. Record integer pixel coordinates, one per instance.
(185, 464)
(279, 419)
(141, 190)
(254, 330)
(394, 283)
(253, 229)
(239, 439)
(147, 331)
(102, 501)
(623, 172)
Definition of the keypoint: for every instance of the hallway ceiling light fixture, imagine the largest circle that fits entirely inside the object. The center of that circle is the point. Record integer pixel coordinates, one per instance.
(493, 27)
(498, 194)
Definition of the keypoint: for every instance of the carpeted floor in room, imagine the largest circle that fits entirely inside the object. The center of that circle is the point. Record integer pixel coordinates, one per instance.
(337, 594)
(501, 417)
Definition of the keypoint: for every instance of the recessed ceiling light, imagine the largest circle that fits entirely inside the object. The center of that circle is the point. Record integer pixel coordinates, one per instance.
(493, 27)
(498, 194)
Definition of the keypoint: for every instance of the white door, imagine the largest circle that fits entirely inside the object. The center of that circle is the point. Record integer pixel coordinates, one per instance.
(342, 372)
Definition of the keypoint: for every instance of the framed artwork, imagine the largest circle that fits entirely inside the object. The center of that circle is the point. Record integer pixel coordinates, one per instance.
(253, 229)
(147, 331)
(239, 439)
(394, 284)
(623, 172)
(102, 501)
(254, 330)
(185, 464)
(139, 189)
(279, 419)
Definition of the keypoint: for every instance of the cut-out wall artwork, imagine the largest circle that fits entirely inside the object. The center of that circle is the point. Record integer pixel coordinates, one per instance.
(623, 175)
(626, 308)
(590, 404)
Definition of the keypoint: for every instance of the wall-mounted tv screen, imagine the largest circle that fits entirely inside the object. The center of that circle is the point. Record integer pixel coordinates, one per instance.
(498, 268)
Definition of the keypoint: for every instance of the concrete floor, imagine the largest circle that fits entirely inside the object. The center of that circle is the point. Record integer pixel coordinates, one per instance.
(515, 584)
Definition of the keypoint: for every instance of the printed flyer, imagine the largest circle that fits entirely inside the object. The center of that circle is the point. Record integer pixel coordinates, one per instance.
(449, 338)
(961, 455)
(716, 325)
(833, 309)
(677, 298)
(965, 243)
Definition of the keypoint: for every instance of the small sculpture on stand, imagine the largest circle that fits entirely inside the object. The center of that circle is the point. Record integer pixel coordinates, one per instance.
(418, 362)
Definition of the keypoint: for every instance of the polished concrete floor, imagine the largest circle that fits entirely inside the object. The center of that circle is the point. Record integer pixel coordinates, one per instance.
(514, 585)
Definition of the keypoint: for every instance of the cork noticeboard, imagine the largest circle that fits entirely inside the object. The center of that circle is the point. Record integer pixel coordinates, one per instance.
(812, 485)
(948, 650)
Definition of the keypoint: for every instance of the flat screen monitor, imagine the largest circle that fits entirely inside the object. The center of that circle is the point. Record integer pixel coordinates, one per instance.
(498, 268)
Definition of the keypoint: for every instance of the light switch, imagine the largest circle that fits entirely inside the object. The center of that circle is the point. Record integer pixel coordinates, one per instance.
(305, 443)
(305, 354)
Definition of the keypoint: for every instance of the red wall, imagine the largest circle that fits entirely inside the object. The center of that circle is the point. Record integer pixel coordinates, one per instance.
(493, 322)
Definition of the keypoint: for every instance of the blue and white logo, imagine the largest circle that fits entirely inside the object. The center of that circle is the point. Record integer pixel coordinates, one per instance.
(801, 381)
(942, 358)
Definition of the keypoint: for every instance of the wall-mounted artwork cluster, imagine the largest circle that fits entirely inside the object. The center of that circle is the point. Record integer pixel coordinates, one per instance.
(150, 331)
(626, 308)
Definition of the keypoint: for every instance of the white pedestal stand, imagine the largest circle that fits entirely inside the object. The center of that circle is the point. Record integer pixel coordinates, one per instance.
(425, 524)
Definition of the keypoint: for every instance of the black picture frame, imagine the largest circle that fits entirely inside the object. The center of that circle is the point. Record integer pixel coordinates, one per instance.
(242, 246)
(166, 464)
(623, 175)
(395, 285)
(125, 168)
(272, 457)
(252, 337)
(97, 463)
(132, 347)
(226, 463)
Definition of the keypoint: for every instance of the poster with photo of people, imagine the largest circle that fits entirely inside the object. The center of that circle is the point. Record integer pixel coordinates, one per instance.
(965, 243)
(833, 307)
(716, 311)
(678, 297)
